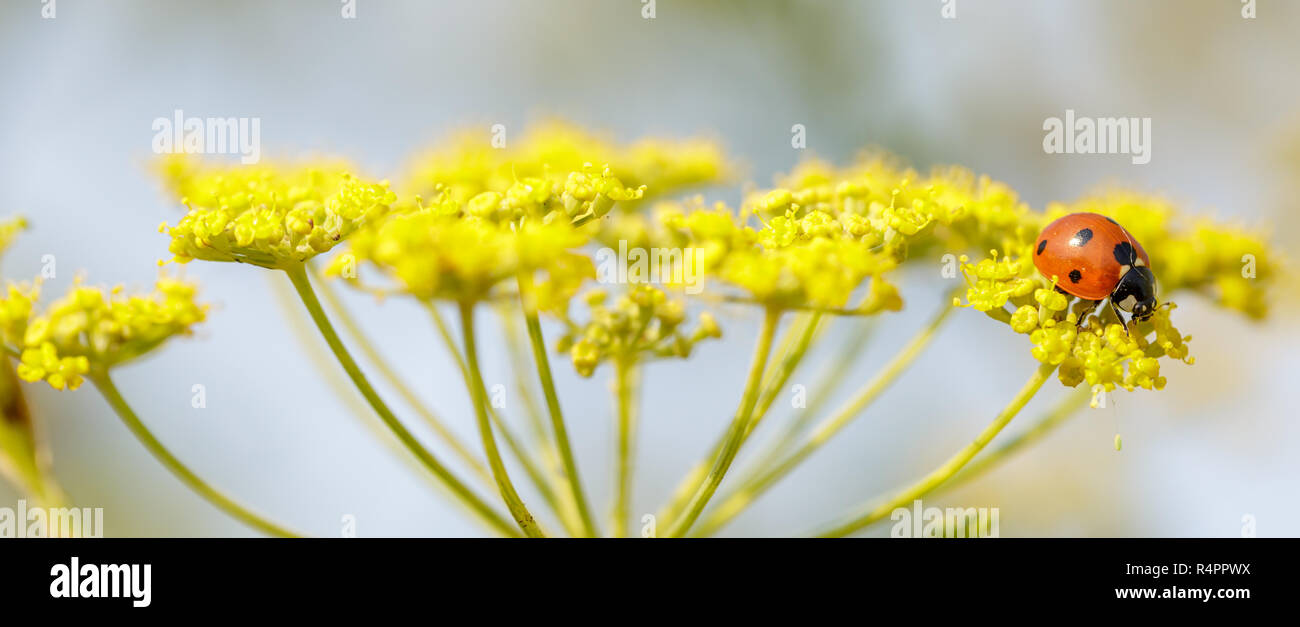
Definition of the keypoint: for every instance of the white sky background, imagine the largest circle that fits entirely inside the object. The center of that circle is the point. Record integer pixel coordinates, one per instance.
(78, 95)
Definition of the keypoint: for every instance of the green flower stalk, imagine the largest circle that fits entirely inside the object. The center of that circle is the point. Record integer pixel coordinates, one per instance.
(1048, 422)
(461, 251)
(532, 320)
(829, 379)
(91, 331)
(479, 394)
(24, 459)
(643, 323)
(512, 441)
(955, 463)
(467, 496)
(362, 340)
(736, 432)
(279, 217)
(626, 385)
(768, 476)
(521, 361)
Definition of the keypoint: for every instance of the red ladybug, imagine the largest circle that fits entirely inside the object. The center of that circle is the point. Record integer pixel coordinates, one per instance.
(1092, 257)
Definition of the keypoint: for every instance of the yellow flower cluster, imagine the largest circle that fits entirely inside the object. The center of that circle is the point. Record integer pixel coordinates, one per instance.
(1232, 266)
(479, 214)
(1098, 350)
(468, 164)
(787, 263)
(876, 195)
(643, 321)
(436, 256)
(92, 328)
(579, 196)
(1107, 355)
(485, 214)
(824, 231)
(9, 229)
(270, 216)
(459, 250)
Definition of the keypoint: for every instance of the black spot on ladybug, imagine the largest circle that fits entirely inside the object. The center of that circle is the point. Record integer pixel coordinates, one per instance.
(1041, 246)
(1081, 238)
(1124, 254)
(1075, 276)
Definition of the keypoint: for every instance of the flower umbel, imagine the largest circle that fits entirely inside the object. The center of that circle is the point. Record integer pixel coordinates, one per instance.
(92, 327)
(1098, 350)
(269, 216)
(467, 164)
(644, 322)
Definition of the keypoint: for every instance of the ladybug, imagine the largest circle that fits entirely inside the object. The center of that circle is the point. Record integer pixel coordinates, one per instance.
(1092, 257)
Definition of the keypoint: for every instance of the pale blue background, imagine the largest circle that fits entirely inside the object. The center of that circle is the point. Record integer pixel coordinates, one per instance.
(78, 95)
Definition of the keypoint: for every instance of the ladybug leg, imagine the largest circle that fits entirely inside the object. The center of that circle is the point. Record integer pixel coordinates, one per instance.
(1120, 316)
(1083, 315)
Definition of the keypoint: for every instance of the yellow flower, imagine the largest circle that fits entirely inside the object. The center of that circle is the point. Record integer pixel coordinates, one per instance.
(1099, 351)
(269, 216)
(1110, 357)
(993, 282)
(90, 327)
(1025, 319)
(9, 230)
(45, 363)
(16, 311)
(879, 201)
(643, 321)
(467, 164)
(434, 256)
(460, 250)
(795, 260)
(580, 196)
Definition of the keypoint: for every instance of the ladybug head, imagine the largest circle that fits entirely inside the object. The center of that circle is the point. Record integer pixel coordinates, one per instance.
(1136, 292)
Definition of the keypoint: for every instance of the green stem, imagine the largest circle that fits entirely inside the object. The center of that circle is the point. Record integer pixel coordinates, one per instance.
(955, 463)
(736, 432)
(797, 342)
(770, 474)
(479, 395)
(794, 345)
(114, 397)
(24, 459)
(403, 390)
(534, 325)
(1054, 418)
(298, 275)
(625, 384)
(828, 380)
(521, 454)
(318, 353)
(520, 367)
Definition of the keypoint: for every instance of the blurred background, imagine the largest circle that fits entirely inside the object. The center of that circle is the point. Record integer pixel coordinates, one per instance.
(78, 95)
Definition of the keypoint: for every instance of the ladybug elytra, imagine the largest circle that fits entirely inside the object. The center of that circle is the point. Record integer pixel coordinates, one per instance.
(1092, 257)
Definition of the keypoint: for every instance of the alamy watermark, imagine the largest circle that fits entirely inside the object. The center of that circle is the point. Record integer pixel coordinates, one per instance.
(1100, 136)
(75, 580)
(664, 266)
(51, 522)
(209, 136)
(952, 522)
